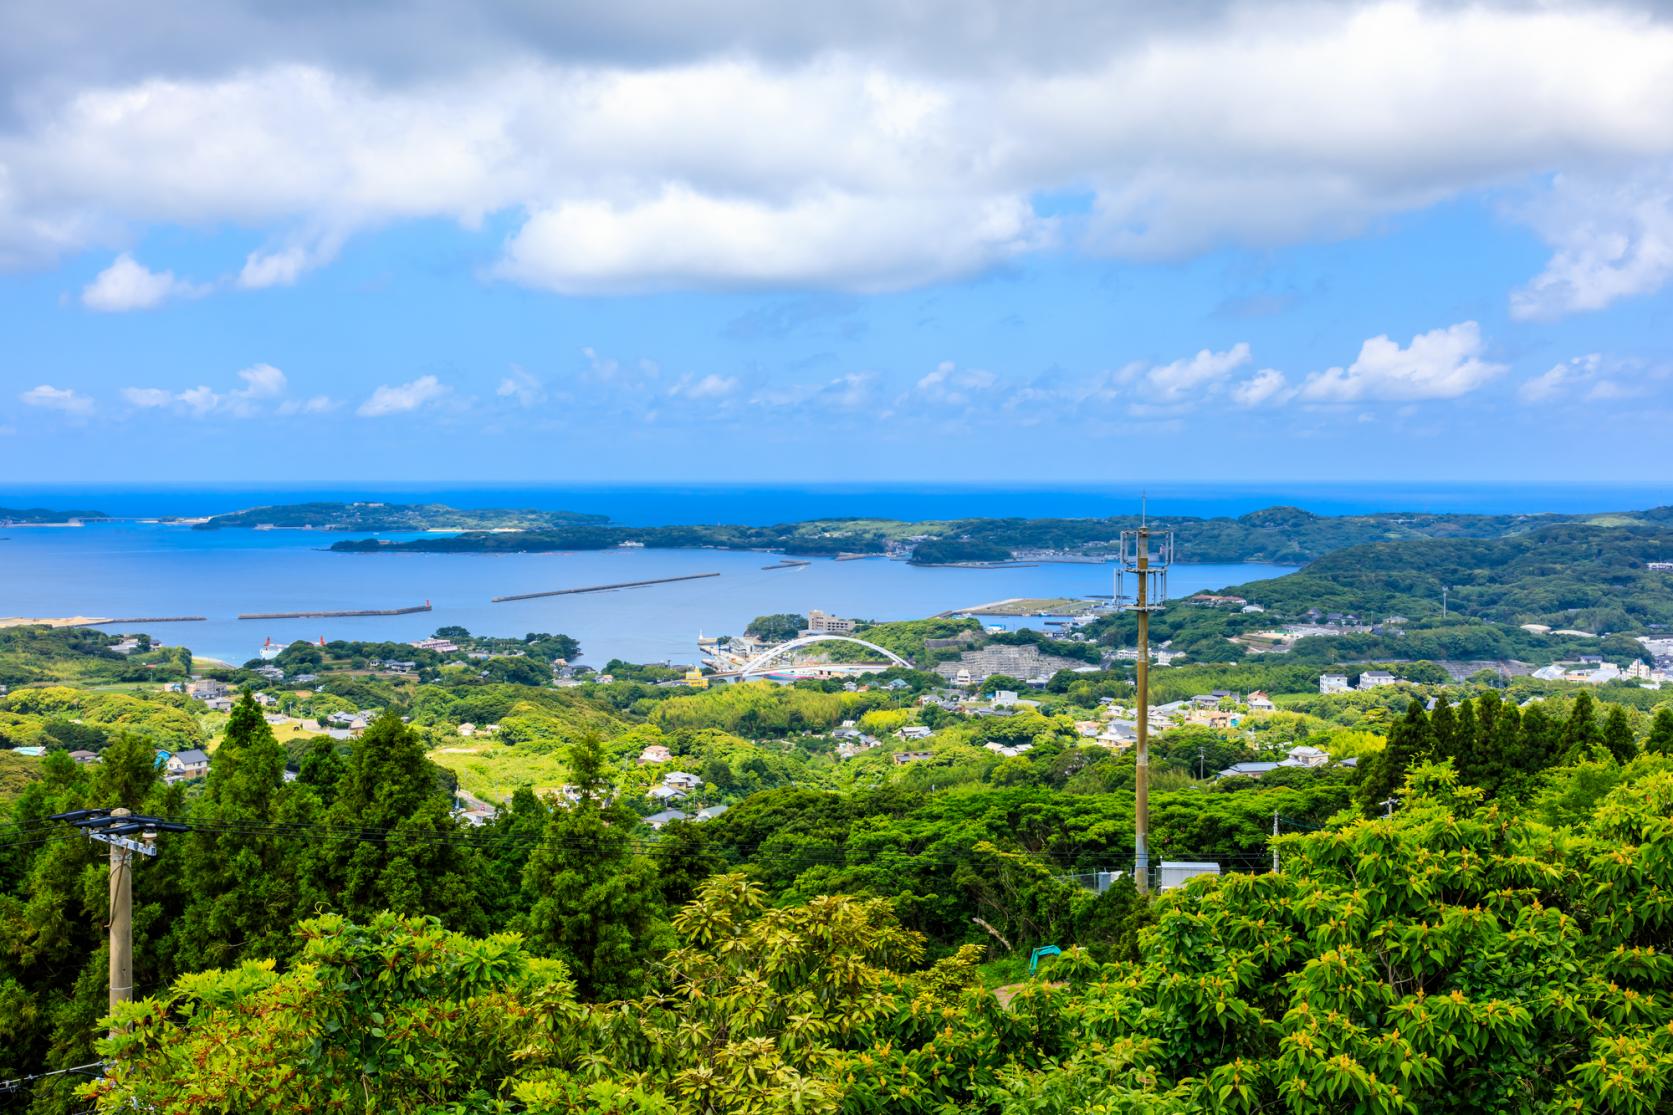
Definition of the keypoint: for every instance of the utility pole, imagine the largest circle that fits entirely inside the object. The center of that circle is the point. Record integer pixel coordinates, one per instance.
(117, 827)
(1275, 842)
(1150, 595)
(1443, 601)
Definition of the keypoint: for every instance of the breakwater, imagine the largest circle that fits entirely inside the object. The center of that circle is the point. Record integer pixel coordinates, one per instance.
(424, 607)
(601, 588)
(787, 563)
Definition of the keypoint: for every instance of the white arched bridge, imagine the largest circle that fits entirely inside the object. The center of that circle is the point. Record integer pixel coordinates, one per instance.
(760, 662)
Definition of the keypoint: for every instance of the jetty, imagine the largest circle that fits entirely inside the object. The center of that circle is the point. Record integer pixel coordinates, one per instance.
(600, 588)
(424, 607)
(787, 563)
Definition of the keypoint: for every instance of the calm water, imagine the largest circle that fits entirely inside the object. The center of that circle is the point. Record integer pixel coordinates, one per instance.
(134, 569)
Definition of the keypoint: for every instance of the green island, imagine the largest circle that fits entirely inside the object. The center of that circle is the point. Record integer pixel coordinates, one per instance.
(363, 516)
(1283, 535)
(44, 516)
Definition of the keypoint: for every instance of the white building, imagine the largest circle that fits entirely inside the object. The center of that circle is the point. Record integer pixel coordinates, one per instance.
(1371, 679)
(1333, 683)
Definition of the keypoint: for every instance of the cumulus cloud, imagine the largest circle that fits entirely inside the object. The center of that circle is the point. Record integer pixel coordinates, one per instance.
(263, 386)
(314, 404)
(128, 284)
(1591, 378)
(63, 399)
(857, 145)
(683, 239)
(950, 386)
(1440, 364)
(1613, 240)
(1266, 386)
(402, 398)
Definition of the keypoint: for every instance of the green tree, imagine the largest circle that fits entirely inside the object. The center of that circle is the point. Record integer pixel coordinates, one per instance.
(1410, 742)
(592, 899)
(1618, 738)
(390, 842)
(1661, 732)
(1580, 731)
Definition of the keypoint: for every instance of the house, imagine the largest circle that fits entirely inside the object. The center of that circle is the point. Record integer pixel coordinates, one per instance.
(1247, 770)
(711, 812)
(1260, 702)
(184, 765)
(271, 673)
(666, 793)
(1119, 734)
(219, 704)
(682, 779)
(1371, 679)
(657, 820)
(1176, 873)
(1212, 718)
(903, 757)
(266, 700)
(1004, 698)
(205, 688)
(1010, 752)
(820, 623)
(275, 718)
(84, 756)
(440, 646)
(1306, 756)
(655, 753)
(1333, 683)
(1088, 728)
(914, 731)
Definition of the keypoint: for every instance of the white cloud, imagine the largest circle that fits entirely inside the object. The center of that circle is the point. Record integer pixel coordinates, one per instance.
(1166, 384)
(711, 386)
(1266, 386)
(1613, 240)
(282, 266)
(314, 404)
(263, 383)
(683, 239)
(65, 399)
(403, 397)
(1440, 364)
(147, 398)
(129, 285)
(523, 388)
(1592, 378)
(860, 145)
(950, 386)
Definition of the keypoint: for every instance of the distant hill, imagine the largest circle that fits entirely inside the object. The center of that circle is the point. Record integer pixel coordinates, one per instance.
(46, 515)
(1572, 574)
(365, 516)
(1283, 535)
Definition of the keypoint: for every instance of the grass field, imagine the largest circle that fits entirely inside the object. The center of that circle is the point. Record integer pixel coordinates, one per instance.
(492, 770)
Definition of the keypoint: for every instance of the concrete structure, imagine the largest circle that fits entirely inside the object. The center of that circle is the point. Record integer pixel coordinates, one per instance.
(655, 753)
(1372, 679)
(1176, 873)
(1333, 683)
(1024, 662)
(820, 623)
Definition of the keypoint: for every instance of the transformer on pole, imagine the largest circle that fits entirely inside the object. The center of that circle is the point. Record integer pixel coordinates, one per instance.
(117, 828)
(1147, 562)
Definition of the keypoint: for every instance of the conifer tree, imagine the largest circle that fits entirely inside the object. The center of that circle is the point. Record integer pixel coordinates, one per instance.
(391, 841)
(1661, 732)
(592, 899)
(1410, 741)
(1580, 731)
(1617, 735)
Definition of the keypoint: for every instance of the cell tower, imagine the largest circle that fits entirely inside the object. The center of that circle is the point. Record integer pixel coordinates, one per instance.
(1147, 562)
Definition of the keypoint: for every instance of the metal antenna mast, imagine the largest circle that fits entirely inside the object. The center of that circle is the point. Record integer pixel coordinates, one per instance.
(117, 827)
(1149, 568)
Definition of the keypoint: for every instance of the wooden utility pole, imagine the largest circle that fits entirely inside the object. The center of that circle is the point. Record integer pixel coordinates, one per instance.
(121, 920)
(117, 828)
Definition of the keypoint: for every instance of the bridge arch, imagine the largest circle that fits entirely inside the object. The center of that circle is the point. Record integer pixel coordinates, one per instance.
(754, 665)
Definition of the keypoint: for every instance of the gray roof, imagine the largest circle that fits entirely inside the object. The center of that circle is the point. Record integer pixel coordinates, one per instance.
(192, 757)
(657, 820)
(711, 812)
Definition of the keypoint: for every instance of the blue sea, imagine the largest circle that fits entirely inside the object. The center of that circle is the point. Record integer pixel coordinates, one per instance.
(132, 569)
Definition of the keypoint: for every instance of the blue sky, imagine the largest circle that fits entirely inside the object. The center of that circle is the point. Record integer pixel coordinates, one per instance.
(631, 242)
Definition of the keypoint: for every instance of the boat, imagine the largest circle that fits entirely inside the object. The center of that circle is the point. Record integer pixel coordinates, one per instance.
(270, 650)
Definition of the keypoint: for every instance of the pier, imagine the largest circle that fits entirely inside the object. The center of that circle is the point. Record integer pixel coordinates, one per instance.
(600, 588)
(424, 607)
(787, 563)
